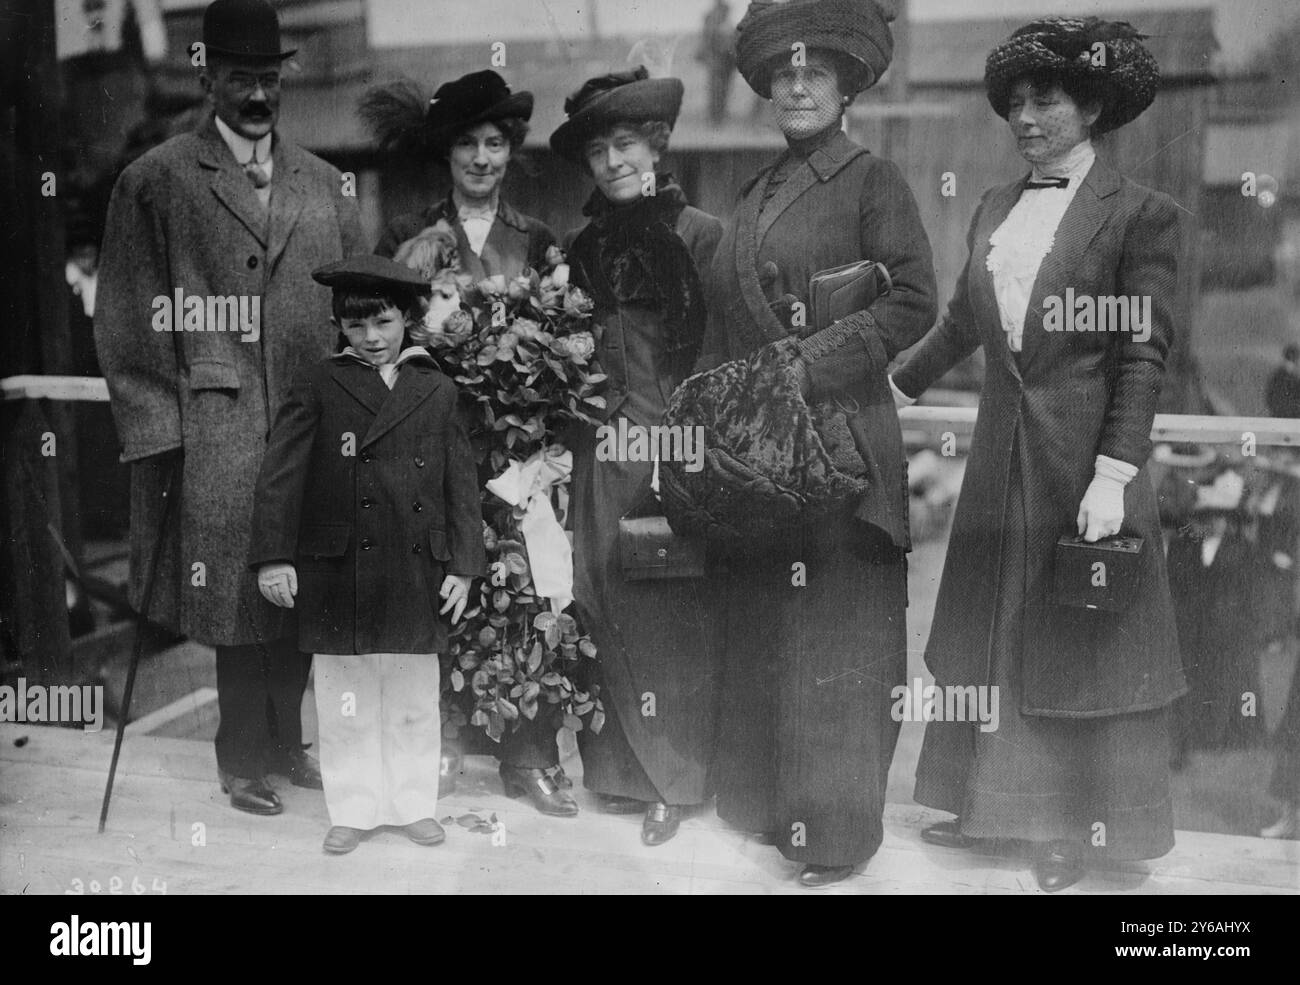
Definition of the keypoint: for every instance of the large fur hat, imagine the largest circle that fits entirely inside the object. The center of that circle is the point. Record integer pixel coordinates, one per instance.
(767, 466)
(607, 100)
(1109, 54)
(858, 29)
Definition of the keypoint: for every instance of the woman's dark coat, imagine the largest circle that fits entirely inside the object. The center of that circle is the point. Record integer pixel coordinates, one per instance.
(842, 205)
(805, 732)
(515, 240)
(1069, 397)
(654, 637)
(372, 495)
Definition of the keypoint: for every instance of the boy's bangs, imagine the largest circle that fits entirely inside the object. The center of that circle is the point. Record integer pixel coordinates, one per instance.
(366, 304)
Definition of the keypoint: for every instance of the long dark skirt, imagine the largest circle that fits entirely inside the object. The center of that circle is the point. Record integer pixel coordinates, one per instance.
(1048, 779)
(658, 652)
(805, 731)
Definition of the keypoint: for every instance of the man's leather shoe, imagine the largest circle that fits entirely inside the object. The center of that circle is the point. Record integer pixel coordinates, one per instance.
(539, 788)
(611, 804)
(947, 834)
(303, 770)
(250, 794)
(1058, 868)
(426, 831)
(815, 876)
(660, 824)
(339, 840)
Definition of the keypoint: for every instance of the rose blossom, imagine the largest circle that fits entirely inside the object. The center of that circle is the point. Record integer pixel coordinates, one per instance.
(579, 345)
(576, 302)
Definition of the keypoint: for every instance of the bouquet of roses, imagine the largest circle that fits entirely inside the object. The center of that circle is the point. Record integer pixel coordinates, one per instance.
(521, 353)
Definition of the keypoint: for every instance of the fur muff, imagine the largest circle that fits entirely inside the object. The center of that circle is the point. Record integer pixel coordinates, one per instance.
(766, 467)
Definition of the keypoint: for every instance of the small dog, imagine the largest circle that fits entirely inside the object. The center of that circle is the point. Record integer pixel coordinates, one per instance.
(432, 253)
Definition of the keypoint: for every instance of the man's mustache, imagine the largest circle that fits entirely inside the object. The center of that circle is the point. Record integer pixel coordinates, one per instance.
(257, 109)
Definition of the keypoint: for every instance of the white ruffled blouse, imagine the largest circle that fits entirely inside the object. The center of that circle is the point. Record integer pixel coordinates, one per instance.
(1025, 237)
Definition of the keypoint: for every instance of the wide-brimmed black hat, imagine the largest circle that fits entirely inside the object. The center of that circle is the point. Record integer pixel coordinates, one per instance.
(243, 29)
(607, 100)
(366, 271)
(479, 97)
(1107, 54)
(857, 29)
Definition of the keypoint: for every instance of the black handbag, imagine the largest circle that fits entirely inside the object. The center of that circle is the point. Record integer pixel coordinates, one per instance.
(1105, 575)
(648, 549)
(838, 292)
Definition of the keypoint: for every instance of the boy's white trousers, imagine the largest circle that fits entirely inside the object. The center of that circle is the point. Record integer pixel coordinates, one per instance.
(380, 737)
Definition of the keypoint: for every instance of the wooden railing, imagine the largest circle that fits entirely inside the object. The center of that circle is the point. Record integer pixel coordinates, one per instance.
(933, 421)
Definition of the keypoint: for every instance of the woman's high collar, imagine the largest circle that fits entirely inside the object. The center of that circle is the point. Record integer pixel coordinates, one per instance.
(1075, 163)
(803, 147)
(668, 195)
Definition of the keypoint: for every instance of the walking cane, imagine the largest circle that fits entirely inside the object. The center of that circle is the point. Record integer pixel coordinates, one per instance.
(142, 618)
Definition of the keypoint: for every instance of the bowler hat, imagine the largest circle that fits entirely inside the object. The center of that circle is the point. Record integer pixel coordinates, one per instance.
(1107, 54)
(243, 28)
(366, 271)
(479, 97)
(607, 100)
(858, 29)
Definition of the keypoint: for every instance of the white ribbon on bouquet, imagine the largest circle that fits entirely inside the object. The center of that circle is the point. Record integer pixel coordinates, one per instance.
(528, 485)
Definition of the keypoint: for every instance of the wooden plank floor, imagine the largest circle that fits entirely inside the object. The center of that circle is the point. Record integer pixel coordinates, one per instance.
(170, 825)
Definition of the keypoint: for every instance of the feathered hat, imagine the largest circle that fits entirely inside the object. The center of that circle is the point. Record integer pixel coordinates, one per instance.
(1107, 54)
(405, 121)
(857, 29)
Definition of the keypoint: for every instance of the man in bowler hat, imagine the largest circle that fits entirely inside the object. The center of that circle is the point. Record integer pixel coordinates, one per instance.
(231, 210)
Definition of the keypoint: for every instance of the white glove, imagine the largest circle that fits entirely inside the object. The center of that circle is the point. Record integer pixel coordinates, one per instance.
(1101, 512)
(901, 399)
(278, 584)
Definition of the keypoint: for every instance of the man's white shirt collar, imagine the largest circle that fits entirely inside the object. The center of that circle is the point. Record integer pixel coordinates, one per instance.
(246, 150)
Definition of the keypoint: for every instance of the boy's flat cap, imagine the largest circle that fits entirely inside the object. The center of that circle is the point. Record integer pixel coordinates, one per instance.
(365, 270)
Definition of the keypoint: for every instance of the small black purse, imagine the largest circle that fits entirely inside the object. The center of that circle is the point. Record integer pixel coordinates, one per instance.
(648, 549)
(1105, 575)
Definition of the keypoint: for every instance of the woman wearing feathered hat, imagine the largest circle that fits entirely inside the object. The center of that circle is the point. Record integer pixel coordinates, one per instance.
(814, 621)
(471, 128)
(640, 257)
(1079, 763)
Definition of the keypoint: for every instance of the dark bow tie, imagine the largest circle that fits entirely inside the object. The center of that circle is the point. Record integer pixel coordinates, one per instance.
(1049, 183)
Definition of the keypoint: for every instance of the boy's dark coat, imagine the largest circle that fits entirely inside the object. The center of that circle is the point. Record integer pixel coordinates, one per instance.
(372, 494)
